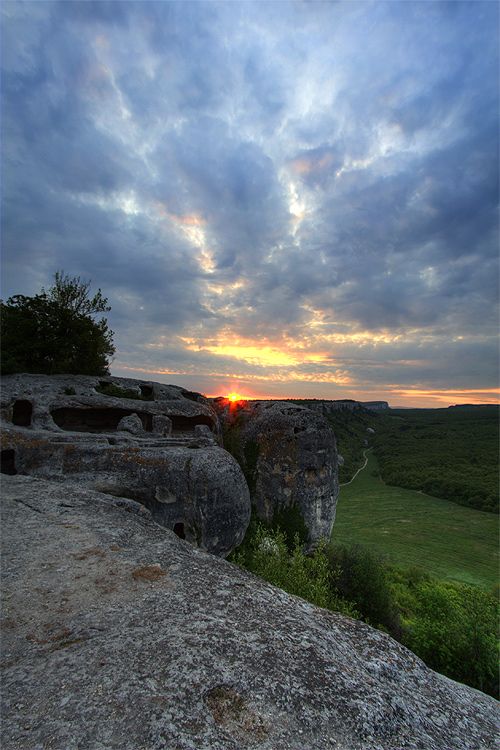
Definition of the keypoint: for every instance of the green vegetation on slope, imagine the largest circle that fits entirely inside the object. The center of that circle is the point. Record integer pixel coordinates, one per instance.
(448, 453)
(452, 627)
(450, 542)
(386, 544)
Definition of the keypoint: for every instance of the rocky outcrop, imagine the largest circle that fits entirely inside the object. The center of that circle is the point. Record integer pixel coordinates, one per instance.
(117, 634)
(289, 455)
(157, 444)
(375, 405)
(327, 407)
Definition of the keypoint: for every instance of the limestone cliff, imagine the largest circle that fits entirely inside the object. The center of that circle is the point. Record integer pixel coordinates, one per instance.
(292, 455)
(154, 443)
(161, 445)
(117, 634)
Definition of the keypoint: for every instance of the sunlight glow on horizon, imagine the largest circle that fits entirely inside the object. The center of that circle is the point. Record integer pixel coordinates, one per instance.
(254, 389)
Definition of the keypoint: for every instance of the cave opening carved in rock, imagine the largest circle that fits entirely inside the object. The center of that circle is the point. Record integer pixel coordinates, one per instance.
(22, 412)
(183, 423)
(96, 420)
(179, 530)
(8, 463)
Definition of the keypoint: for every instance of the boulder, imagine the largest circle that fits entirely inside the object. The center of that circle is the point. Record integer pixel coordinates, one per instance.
(155, 444)
(289, 455)
(132, 423)
(117, 634)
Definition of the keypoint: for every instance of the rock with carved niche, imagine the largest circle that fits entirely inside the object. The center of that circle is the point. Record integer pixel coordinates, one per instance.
(153, 443)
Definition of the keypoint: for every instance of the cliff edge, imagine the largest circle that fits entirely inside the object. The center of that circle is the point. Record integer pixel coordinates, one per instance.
(118, 634)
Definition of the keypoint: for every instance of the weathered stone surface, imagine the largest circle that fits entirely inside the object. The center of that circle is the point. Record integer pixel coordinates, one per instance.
(61, 428)
(295, 459)
(73, 403)
(132, 424)
(116, 634)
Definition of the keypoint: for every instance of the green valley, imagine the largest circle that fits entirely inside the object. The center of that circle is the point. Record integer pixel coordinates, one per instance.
(451, 542)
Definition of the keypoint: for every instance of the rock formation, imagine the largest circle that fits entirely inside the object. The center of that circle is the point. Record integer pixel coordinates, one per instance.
(289, 455)
(117, 634)
(158, 444)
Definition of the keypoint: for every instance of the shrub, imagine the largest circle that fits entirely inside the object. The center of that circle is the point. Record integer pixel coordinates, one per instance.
(307, 576)
(290, 521)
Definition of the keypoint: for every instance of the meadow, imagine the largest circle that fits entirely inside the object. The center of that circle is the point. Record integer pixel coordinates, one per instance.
(451, 542)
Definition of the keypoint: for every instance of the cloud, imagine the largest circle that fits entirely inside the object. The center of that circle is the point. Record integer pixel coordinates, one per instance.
(317, 182)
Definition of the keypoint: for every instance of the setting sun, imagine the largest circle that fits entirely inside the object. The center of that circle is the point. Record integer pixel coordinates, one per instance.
(233, 396)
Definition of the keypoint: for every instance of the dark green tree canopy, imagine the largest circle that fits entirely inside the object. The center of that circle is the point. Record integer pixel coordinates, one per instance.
(55, 331)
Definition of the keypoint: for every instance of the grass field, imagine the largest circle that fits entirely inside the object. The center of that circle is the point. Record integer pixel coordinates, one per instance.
(449, 541)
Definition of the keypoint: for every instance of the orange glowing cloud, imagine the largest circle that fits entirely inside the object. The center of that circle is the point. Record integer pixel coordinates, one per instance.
(253, 353)
(446, 397)
(307, 165)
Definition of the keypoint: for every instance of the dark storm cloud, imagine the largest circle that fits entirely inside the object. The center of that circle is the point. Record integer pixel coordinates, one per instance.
(285, 173)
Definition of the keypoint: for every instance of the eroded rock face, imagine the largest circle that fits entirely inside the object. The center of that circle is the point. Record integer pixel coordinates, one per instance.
(161, 450)
(291, 456)
(116, 634)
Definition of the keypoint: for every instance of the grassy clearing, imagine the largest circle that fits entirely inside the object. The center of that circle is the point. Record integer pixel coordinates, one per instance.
(450, 542)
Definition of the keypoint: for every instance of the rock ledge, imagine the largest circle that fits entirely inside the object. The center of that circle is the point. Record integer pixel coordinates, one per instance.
(117, 634)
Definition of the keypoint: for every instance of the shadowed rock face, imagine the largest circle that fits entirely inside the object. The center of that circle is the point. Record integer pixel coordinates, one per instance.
(117, 634)
(295, 459)
(159, 445)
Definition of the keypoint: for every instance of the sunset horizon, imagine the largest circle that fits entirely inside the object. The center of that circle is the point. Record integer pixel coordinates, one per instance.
(246, 391)
(280, 199)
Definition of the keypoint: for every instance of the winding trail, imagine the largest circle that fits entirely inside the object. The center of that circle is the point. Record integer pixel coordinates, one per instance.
(361, 469)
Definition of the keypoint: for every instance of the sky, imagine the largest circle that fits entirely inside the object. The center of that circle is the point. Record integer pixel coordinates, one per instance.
(278, 199)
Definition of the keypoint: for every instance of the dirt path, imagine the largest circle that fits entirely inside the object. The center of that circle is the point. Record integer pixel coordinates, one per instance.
(361, 469)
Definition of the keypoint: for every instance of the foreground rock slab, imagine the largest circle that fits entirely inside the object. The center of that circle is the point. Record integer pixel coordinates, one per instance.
(117, 634)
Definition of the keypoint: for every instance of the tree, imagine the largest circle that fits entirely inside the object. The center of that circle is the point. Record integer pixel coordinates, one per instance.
(54, 332)
(73, 294)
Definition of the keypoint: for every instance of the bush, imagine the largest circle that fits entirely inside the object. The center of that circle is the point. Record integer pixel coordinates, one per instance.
(116, 392)
(307, 576)
(455, 633)
(290, 521)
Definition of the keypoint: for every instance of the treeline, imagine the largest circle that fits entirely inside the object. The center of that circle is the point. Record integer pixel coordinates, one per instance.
(447, 453)
(452, 628)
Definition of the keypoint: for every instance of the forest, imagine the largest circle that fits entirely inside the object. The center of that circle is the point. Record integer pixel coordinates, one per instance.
(448, 453)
